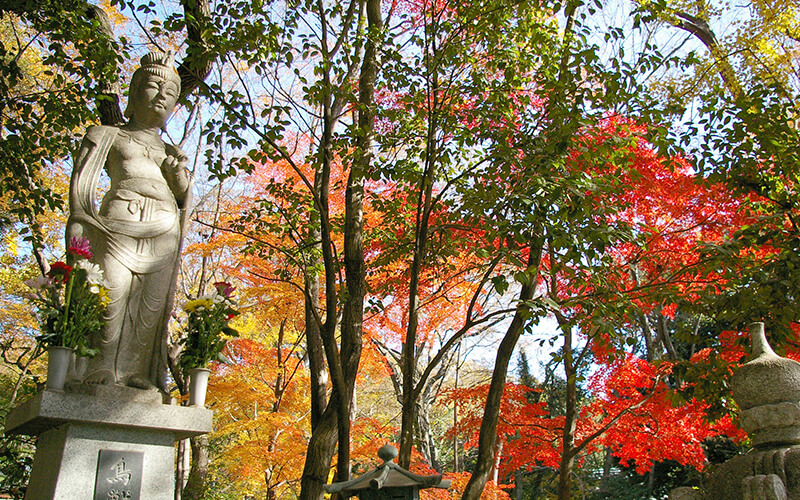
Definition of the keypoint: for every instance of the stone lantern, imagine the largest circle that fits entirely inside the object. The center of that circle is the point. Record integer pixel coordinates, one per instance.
(388, 482)
(767, 390)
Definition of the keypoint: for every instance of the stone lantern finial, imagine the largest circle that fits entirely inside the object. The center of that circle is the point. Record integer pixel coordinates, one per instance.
(387, 453)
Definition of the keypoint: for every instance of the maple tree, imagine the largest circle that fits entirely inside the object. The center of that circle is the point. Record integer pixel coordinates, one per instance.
(425, 124)
(261, 400)
(565, 219)
(588, 284)
(653, 269)
(214, 255)
(260, 431)
(647, 427)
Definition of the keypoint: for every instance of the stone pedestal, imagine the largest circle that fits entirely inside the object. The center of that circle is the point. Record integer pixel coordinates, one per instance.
(92, 447)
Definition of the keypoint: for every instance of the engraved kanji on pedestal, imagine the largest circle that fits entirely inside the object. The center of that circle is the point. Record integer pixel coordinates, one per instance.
(119, 475)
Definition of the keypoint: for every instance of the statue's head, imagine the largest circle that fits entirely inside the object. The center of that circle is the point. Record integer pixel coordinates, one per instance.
(155, 86)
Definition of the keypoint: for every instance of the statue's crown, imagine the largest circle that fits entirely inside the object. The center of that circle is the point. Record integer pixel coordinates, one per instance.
(159, 59)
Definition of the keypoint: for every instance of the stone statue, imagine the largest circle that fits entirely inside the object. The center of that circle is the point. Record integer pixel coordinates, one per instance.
(136, 232)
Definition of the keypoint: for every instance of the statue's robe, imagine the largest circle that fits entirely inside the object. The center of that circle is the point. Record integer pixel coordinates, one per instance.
(130, 243)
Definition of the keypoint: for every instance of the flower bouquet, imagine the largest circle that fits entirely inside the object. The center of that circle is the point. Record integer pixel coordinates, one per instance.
(207, 333)
(71, 300)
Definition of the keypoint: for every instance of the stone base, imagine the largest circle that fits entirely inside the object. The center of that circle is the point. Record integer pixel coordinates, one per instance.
(685, 493)
(66, 462)
(766, 474)
(117, 392)
(73, 429)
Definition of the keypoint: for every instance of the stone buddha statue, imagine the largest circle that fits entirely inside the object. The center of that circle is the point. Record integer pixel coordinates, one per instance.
(135, 232)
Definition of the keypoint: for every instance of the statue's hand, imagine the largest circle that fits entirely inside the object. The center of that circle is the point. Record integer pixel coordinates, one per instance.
(174, 168)
(176, 159)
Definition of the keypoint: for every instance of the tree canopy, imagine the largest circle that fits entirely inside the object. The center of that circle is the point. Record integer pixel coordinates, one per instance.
(404, 192)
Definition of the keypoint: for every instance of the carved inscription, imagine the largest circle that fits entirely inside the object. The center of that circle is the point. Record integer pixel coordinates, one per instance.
(119, 475)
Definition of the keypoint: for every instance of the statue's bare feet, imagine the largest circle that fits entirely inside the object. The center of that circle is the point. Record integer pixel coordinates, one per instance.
(100, 377)
(140, 382)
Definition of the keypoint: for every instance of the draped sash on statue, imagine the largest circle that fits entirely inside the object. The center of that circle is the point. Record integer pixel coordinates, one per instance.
(90, 161)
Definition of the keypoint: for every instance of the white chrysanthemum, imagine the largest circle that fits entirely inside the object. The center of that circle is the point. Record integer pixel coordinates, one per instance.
(94, 274)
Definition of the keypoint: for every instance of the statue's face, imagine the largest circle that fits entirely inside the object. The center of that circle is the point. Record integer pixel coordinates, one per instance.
(155, 99)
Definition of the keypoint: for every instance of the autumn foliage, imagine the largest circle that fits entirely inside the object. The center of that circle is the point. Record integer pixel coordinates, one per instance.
(633, 410)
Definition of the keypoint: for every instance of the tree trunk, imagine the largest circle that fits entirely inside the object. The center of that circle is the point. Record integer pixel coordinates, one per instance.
(455, 411)
(408, 414)
(334, 424)
(319, 455)
(497, 459)
(199, 59)
(606, 469)
(183, 467)
(491, 412)
(666, 339)
(408, 362)
(702, 31)
(195, 486)
(426, 445)
(355, 274)
(322, 443)
(652, 344)
(315, 350)
(570, 420)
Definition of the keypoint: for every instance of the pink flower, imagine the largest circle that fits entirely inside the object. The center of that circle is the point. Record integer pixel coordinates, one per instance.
(224, 288)
(39, 283)
(80, 246)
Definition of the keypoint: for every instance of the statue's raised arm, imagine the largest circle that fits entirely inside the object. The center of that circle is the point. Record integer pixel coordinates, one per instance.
(136, 231)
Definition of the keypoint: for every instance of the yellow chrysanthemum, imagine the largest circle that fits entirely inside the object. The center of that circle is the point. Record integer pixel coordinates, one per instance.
(194, 305)
(102, 293)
